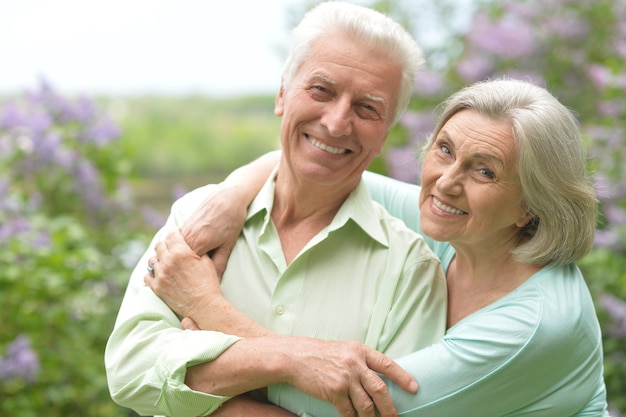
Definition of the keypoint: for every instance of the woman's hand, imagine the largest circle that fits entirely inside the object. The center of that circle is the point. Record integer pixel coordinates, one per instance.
(214, 226)
(186, 282)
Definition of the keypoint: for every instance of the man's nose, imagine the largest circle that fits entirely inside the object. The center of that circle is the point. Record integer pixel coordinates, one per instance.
(337, 118)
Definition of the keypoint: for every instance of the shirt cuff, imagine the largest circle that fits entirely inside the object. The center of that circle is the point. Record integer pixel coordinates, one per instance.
(195, 347)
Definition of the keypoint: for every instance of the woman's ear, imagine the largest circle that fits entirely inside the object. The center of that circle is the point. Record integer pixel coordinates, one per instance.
(524, 219)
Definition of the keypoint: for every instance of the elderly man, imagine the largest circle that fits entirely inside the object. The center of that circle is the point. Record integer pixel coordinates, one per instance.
(317, 257)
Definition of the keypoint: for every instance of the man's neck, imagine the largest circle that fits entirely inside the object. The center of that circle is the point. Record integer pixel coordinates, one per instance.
(300, 211)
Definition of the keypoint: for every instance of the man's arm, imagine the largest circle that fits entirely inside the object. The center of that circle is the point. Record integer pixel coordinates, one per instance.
(342, 373)
(147, 353)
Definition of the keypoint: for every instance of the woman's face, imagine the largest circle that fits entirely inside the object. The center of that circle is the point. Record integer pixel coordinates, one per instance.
(471, 195)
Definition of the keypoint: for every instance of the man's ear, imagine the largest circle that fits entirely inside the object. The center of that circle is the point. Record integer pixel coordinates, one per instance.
(279, 104)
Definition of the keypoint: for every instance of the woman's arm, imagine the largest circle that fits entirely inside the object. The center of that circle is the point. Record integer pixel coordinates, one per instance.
(214, 226)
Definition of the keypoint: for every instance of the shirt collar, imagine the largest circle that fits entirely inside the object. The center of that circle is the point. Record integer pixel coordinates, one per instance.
(358, 207)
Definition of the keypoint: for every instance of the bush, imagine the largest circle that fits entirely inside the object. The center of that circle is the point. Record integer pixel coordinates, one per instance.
(64, 226)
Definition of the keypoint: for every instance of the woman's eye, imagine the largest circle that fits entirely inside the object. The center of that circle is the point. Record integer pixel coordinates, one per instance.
(444, 148)
(486, 172)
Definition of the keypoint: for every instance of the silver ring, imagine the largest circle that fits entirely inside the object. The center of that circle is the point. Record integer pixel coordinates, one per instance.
(150, 268)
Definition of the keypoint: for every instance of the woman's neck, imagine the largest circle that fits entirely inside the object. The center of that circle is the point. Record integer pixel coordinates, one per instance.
(475, 282)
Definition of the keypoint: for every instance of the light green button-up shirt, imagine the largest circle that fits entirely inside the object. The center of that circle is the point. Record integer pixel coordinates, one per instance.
(365, 277)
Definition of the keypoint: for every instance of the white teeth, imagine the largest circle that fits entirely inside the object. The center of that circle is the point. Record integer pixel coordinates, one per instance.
(330, 149)
(446, 208)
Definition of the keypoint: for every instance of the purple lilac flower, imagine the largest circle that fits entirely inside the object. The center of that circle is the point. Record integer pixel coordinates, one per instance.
(178, 190)
(428, 83)
(100, 132)
(614, 412)
(403, 164)
(14, 226)
(419, 124)
(475, 67)
(602, 185)
(87, 183)
(20, 361)
(608, 136)
(608, 239)
(611, 108)
(568, 26)
(615, 214)
(152, 217)
(509, 37)
(616, 309)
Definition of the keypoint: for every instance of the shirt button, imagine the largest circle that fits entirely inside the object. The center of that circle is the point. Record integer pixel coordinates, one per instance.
(280, 310)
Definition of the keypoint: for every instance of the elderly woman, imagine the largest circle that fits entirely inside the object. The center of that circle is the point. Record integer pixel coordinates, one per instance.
(506, 204)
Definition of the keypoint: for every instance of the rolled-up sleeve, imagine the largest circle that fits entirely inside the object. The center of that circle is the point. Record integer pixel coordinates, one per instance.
(147, 354)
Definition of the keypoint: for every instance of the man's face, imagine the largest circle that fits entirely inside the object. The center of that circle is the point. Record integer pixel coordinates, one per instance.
(337, 111)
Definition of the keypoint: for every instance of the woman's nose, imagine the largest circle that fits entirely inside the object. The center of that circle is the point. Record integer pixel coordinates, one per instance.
(450, 181)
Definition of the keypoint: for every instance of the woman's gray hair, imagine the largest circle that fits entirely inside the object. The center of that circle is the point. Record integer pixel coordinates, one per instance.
(372, 28)
(556, 188)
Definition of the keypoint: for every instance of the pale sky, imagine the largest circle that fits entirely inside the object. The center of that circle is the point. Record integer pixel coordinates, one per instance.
(213, 47)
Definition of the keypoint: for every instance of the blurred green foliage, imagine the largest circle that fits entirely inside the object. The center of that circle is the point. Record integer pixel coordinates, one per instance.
(197, 135)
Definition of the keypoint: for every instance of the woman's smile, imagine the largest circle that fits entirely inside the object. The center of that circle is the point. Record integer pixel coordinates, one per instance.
(446, 208)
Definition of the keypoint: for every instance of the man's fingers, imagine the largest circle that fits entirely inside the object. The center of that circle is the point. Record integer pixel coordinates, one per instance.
(384, 365)
(189, 324)
(378, 397)
(345, 408)
(362, 402)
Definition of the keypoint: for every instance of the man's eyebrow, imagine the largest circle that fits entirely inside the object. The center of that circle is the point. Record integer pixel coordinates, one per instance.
(377, 99)
(323, 78)
(366, 96)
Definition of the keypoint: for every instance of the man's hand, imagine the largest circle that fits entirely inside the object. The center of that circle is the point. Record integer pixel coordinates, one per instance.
(346, 375)
(185, 281)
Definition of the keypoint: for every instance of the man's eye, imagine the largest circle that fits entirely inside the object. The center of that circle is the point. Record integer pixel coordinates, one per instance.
(367, 111)
(368, 107)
